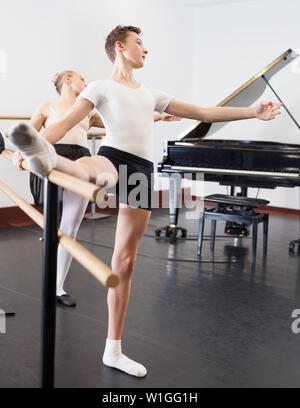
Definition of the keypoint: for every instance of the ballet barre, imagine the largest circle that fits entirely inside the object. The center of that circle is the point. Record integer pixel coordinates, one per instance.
(77, 186)
(52, 236)
(88, 260)
(96, 135)
(15, 117)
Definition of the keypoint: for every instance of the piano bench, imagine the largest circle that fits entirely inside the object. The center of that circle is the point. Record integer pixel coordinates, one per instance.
(234, 209)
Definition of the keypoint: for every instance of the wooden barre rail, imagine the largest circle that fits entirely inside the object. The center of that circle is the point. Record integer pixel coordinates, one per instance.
(98, 135)
(89, 261)
(77, 186)
(15, 117)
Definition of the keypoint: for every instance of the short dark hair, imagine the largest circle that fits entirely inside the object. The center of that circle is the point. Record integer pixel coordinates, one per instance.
(119, 33)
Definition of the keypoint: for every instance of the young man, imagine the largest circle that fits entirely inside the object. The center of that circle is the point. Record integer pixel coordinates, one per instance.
(73, 145)
(126, 108)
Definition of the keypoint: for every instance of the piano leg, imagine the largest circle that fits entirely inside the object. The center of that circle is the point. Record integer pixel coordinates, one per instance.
(254, 240)
(174, 205)
(265, 232)
(174, 200)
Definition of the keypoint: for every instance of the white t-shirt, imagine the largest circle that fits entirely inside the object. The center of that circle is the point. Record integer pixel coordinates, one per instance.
(127, 114)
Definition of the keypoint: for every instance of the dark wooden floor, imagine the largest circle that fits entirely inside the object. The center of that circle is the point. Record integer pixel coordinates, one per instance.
(191, 324)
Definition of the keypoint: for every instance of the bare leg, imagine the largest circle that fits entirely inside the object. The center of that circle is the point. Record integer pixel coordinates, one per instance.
(87, 168)
(131, 225)
(41, 156)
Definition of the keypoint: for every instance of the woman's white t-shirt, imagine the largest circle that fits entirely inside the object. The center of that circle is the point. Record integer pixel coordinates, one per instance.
(127, 114)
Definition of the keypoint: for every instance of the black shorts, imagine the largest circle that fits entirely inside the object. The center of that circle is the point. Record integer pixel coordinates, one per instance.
(136, 180)
(70, 151)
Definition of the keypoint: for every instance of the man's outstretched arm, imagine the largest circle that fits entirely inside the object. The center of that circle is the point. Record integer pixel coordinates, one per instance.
(165, 117)
(74, 115)
(263, 111)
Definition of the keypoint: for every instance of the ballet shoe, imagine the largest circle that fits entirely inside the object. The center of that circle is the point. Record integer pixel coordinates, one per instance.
(65, 300)
(40, 155)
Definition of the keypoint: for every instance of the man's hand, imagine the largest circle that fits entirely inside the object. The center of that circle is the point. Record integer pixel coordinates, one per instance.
(18, 159)
(166, 117)
(267, 110)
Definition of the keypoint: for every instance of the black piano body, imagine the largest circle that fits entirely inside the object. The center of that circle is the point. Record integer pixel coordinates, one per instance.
(236, 162)
(243, 163)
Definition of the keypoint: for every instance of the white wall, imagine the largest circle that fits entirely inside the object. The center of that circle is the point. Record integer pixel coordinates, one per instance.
(234, 40)
(41, 38)
(199, 50)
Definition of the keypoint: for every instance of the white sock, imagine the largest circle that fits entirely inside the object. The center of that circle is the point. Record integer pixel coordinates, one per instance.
(113, 357)
(60, 292)
(40, 155)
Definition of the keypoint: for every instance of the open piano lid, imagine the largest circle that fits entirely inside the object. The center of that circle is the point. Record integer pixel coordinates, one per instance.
(247, 94)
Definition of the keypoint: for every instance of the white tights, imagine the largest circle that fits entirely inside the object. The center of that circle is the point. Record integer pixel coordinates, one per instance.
(74, 208)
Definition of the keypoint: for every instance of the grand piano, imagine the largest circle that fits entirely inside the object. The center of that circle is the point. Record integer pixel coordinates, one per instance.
(234, 163)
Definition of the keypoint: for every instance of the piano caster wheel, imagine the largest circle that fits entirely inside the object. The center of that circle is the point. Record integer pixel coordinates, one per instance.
(293, 244)
(157, 232)
(172, 233)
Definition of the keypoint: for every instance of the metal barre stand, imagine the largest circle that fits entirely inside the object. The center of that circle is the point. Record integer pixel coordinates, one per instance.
(7, 312)
(48, 315)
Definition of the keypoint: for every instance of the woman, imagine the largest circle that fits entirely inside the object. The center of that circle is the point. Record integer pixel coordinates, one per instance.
(129, 143)
(73, 145)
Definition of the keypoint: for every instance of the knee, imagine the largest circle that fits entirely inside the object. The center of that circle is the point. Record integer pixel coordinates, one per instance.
(85, 164)
(69, 226)
(72, 217)
(70, 230)
(123, 265)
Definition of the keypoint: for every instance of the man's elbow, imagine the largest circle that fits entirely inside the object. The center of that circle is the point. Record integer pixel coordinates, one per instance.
(204, 115)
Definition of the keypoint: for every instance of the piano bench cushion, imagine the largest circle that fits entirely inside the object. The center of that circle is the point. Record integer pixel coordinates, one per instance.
(233, 200)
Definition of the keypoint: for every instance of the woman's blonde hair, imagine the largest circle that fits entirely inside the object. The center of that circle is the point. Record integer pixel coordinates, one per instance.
(58, 79)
